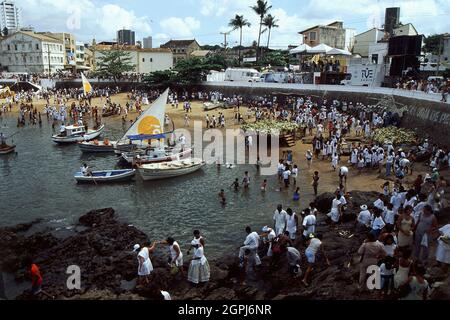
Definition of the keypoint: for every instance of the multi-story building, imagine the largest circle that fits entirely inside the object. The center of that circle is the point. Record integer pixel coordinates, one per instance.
(79, 53)
(144, 60)
(126, 37)
(181, 49)
(333, 35)
(364, 40)
(148, 43)
(31, 52)
(446, 49)
(10, 16)
(69, 46)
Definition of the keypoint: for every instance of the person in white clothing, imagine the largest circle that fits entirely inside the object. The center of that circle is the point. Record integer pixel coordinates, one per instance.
(443, 248)
(291, 223)
(199, 267)
(336, 209)
(364, 219)
(309, 224)
(270, 235)
(145, 267)
(279, 219)
(176, 256)
(314, 245)
(251, 243)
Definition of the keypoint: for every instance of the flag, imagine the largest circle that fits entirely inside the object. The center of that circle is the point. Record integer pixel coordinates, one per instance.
(87, 88)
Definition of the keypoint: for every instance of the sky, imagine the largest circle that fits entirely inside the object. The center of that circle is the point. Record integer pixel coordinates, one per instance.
(204, 20)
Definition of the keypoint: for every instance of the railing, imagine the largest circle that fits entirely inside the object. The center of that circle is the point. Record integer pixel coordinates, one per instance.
(435, 97)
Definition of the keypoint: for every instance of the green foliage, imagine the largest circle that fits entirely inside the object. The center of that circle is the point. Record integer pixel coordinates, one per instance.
(5, 32)
(432, 44)
(161, 78)
(114, 63)
(275, 58)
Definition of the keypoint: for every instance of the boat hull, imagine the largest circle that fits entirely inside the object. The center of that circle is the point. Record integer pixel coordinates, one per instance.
(156, 173)
(92, 148)
(7, 149)
(79, 138)
(147, 159)
(106, 176)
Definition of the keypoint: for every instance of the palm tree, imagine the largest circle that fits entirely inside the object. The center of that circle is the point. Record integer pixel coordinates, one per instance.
(238, 22)
(270, 22)
(261, 8)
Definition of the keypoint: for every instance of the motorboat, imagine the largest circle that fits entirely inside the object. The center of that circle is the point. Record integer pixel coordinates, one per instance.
(95, 146)
(165, 170)
(154, 155)
(106, 176)
(75, 133)
(5, 149)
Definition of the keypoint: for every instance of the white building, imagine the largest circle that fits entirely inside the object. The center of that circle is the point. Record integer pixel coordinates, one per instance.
(79, 53)
(145, 60)
(364, 40)
(9, 16)
(29, 52)
(405, 30)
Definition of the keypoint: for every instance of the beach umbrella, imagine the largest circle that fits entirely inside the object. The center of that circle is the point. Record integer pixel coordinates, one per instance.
(303, 48)
(320, 48)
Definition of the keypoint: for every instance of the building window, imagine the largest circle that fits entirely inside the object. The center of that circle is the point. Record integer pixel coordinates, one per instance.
(143, 59)
(29, 46)
(37, 46)
(151, 59)
(9, 47)
(312, 36)
(15, 47)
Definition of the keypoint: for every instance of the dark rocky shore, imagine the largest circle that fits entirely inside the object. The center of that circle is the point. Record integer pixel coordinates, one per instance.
(101, 247)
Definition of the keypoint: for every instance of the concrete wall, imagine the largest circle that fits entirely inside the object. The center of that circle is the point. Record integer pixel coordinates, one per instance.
(421, 112)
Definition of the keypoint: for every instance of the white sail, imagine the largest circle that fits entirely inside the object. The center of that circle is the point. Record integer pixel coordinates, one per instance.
(151, 121)
(87, 88)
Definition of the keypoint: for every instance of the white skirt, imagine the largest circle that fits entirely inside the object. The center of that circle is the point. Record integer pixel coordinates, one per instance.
(198, 272)
(443, 252)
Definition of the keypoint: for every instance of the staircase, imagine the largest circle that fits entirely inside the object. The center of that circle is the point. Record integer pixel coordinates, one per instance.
(287, 140)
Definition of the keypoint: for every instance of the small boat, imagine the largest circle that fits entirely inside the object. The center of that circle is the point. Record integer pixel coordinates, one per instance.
(106, 176)
(165, 170)
(154, 155)
(96, 146)
(5, 149)
(77, 133)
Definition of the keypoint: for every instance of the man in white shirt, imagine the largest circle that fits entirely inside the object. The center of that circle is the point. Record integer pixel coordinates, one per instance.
(309, 224)
(286, 175)
(279, 219)
(379, 203)
(364, 218)
(252, 243)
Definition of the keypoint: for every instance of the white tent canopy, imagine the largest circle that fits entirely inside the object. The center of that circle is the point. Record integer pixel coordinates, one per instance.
(320, 48)
(300, 49)
(338, 52)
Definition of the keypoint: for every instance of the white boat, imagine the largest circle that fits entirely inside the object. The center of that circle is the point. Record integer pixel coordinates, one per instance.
(150, 123)
(76, 133)
(106, 176)
(96, 146)
(165, 170)
(155, 155)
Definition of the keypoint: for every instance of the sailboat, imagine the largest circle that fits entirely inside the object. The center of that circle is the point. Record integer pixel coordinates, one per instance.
(144, 140)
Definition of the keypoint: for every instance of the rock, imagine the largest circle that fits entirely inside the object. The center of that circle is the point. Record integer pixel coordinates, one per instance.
(323, 202)
(222, 294)
(98, 217)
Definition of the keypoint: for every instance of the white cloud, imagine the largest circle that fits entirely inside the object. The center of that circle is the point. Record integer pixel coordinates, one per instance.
(180, 27)
(214, 7)
(84, 18)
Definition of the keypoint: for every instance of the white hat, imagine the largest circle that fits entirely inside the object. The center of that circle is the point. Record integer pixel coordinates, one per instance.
(136, 247)
(363, 207)
(265, 229)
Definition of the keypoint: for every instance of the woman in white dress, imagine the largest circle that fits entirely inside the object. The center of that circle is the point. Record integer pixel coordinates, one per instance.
(354, 157)
(176, 256)
(335, 212)
(145, 267)
(199, 268)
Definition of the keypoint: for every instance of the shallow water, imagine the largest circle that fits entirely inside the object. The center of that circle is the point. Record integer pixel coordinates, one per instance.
(38, 182)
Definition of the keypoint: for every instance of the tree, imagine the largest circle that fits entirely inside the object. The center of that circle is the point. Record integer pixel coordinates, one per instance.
(261, 9)
(114, 64)
(433, 43)
(275, 58)
(270, 22)
(239, 22)
(163, 79)
(5, 31)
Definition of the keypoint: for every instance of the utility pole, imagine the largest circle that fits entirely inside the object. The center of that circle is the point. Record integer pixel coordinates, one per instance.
(225, 43)
(441, 40)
